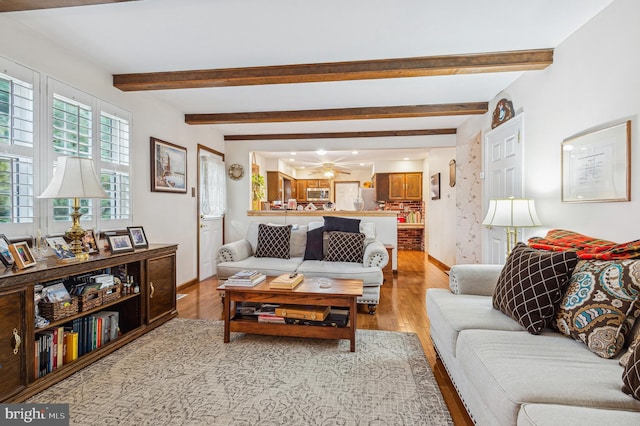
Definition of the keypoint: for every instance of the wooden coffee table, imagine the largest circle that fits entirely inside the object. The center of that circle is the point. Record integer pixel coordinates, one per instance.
(342, 293)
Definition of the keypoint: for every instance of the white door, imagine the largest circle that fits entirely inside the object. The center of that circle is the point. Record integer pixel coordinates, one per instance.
(211, 208)
(503, 179)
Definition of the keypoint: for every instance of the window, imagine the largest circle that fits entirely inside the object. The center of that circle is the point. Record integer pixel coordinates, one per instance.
(87, 127)
(114, 165)
(16, 146)
(72, 136)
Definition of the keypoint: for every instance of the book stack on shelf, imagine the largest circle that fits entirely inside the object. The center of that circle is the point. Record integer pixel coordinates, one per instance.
(338, 317)
(286, 281)
(245, 278)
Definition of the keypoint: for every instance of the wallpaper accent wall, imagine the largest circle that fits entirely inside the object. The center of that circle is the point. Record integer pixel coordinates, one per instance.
(469, 200)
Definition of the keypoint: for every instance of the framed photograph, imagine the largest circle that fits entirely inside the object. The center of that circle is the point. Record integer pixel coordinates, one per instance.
(22, 255)
(435, 186)
(596, 165)
(60, 247)
(5, 254)
(138, 236)
(89, 242)
(120, 243)
(168, 167)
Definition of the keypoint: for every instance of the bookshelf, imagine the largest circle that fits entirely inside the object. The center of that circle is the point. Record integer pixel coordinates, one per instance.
(154, 268)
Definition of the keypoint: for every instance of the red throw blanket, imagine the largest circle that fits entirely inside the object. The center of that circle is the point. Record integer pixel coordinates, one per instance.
(586, 247)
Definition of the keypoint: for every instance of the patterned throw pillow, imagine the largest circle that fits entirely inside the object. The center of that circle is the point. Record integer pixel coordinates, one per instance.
(273, 241)
(601, 304)
(531, 285)
(631, 375)
(345, 247)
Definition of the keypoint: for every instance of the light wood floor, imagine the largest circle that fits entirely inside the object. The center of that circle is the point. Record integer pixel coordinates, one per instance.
(401, 308)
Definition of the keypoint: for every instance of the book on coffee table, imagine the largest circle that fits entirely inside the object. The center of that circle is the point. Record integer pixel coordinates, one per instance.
(286, 281)
(234, 281)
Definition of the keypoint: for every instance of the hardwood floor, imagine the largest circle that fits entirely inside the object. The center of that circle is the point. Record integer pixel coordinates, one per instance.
(401, 308)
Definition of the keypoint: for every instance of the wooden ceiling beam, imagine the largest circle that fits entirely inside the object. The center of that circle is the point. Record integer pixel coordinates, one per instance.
(364, 113)
(341, 135)
(521, 60)
(20, 5)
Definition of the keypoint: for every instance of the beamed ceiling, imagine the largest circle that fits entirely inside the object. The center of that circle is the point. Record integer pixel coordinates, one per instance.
(336, 69)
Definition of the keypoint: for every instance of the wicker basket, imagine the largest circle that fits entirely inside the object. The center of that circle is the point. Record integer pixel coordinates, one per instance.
(112, 293)
(91, 299)
(54, 311)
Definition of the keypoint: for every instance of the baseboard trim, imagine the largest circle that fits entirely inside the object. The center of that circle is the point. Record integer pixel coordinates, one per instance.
(439, 264)
(187, 284)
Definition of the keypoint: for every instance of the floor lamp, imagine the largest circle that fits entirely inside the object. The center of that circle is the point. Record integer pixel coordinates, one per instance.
(76, 178)
(511, 213)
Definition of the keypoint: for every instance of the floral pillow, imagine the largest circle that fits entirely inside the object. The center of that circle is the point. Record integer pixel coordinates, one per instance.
(601, 304)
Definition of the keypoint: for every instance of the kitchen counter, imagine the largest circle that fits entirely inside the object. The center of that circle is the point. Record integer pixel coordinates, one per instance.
(410, 225)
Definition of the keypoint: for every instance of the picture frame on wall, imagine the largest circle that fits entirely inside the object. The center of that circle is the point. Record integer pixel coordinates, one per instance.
(138, 236)
(168, 167)
(5, 255)
(22, 255)
(120, 243)
(596, 164)
(435, 186)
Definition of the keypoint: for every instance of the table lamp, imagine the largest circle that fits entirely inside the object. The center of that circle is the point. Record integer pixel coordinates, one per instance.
(512, 213)
(76, 178)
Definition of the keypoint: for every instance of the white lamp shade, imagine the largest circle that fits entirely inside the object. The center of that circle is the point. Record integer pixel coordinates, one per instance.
(74, 177)
(512, 212)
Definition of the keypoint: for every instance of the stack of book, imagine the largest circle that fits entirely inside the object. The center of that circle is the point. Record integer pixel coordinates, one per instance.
(286, 281)
(245, 279)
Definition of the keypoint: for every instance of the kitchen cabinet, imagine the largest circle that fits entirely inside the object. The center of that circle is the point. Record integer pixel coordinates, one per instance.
(405, 186)
(381, 185)
(318, 183)
(301, 190)
(280, 187)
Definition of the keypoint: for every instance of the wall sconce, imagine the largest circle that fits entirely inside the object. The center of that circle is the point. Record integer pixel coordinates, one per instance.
(512, 213)
(76, 178)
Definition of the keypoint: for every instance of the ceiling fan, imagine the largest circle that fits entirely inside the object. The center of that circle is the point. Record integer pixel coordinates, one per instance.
(329, 170)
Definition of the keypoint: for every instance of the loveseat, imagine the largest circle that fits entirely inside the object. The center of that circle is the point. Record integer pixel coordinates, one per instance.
(313, 253)
(506, 375)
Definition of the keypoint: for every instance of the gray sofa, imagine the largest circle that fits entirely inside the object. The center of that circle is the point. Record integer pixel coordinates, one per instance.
(506, 376)
(239, 255)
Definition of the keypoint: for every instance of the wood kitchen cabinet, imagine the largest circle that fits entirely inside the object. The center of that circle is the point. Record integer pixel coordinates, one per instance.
(381, 185)
(405, 186)
(280, 187)
(301, 190)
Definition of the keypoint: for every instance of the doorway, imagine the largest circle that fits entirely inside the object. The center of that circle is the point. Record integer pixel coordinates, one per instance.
(211, 208)
(503, 178)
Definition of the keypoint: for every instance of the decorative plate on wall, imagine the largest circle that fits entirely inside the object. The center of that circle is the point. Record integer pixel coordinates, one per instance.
(236, 171)
(502, 112)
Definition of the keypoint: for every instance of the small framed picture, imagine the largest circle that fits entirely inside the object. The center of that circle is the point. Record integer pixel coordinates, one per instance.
(138, 237)
(5, 254)
(89, 243)
(120, 243)
(60, 247)
(22, 255)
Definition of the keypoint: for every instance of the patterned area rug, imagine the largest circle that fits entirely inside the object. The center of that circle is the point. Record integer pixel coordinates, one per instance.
(183, 374)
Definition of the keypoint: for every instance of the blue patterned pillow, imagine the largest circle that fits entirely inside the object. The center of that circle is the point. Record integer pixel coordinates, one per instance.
(601, 304)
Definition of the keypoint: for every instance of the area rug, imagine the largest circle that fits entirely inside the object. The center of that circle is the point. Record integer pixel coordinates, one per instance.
(183, 374)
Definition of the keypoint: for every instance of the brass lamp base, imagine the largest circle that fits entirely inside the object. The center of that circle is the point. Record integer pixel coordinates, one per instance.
(76, 233)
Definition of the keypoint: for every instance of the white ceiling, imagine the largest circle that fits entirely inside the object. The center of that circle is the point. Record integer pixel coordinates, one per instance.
(172, 35)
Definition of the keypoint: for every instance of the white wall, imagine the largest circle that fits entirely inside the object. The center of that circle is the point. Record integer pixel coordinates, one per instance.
(169, 218)
(594, 80)
(441, 214)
